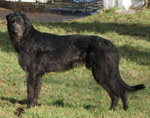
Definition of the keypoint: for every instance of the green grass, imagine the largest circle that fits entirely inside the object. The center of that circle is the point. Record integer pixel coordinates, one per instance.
(74, 93)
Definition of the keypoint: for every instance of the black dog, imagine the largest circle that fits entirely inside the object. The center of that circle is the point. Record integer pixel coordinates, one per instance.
(42, 52)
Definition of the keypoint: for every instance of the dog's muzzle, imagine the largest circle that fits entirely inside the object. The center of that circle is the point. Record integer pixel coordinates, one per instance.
(16, 38)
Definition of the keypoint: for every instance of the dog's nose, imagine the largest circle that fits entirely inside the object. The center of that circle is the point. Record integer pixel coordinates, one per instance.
(15, 31)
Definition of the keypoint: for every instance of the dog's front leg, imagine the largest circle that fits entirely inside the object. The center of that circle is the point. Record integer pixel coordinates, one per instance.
(30, 88)
(37, 87)
(33, 88)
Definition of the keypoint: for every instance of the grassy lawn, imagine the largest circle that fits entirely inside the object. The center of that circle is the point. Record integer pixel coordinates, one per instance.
(75, 94)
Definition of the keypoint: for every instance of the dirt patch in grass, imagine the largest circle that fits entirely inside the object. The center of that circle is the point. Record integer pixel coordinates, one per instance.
(45, 17)
(2, 23)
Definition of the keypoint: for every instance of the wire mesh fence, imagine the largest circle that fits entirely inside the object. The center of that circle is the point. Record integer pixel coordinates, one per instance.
(75, 5)
(53, 5)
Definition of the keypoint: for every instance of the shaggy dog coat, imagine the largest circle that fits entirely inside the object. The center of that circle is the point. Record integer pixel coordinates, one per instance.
(43, 52)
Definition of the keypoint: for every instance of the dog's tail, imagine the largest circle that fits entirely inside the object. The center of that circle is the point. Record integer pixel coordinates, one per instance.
(131, 88)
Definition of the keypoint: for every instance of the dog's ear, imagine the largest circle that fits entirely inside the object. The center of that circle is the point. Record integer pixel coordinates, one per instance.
(8, 17)
(26, 20)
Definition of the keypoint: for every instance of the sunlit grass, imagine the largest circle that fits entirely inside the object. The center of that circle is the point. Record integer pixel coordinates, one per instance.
(75, 93)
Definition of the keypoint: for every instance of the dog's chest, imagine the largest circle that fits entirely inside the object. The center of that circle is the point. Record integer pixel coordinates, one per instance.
(24, 61)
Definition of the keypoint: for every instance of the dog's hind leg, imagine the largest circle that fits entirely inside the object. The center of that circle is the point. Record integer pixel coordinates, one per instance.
(114, 97)
(124, 98)
(116, 94)
(121, 90)
(107, 85)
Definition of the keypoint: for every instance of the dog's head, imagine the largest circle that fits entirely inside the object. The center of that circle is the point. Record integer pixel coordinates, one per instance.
(17, 23)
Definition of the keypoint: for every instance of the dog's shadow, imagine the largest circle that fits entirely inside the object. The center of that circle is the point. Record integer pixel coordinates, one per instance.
(13, 100)
(57, 103)
(61, 103)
